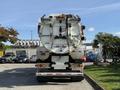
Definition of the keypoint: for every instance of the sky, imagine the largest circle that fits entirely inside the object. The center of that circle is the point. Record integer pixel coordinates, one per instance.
(96, 15)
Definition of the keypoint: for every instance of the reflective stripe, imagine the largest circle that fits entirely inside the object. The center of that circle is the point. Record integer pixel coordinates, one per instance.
(57, 74)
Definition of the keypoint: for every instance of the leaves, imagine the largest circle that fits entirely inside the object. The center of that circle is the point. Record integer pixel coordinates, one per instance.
(105, 39)
(1, 46)
(8, 34)
(110, 43)
(95, 43)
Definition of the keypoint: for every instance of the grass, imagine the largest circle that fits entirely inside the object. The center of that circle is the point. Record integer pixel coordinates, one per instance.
(106, 76)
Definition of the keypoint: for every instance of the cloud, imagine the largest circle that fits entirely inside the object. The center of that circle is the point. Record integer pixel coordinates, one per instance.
(117, 33)
(91, 29)
(105, 8)
(102, 8)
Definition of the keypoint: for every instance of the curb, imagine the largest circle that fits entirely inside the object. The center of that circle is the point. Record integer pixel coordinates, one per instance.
(93, 83)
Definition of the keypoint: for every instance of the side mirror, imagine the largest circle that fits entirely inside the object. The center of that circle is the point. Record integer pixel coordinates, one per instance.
(82, 27)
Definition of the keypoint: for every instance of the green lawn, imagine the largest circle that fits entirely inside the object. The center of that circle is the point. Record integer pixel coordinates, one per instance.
(108, 77)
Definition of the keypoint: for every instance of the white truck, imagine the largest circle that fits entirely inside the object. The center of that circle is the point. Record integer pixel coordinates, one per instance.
(61, 51)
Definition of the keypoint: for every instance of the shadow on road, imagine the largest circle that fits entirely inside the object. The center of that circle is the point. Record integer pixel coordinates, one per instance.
(24, 77)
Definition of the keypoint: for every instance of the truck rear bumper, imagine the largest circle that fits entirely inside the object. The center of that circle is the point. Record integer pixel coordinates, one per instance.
(60, 74)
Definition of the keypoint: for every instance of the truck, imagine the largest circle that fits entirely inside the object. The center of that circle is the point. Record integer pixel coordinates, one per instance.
(61, 52)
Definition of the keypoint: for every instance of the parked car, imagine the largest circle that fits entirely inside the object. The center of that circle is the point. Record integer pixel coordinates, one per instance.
(21, 59)
(91, 57)
(8, 57)
(2, 60)
(33, 58)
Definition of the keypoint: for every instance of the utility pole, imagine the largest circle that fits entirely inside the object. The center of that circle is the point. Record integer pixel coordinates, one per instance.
(31, 35)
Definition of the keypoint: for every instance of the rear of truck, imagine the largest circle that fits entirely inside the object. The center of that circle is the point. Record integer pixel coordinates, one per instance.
(61, 53)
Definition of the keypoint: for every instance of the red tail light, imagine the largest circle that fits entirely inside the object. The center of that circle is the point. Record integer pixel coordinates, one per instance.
(39, 65)
(83, 58)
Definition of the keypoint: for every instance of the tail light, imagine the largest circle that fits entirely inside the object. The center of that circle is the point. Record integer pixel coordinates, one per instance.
(41, 65)
(83, 58)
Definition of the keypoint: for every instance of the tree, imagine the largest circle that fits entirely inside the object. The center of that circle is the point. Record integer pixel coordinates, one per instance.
(104, 38)
(7, 34)
(95, 43)
(108, 41)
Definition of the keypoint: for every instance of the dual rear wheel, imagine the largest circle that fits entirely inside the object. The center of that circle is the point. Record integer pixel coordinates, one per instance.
(41, 79)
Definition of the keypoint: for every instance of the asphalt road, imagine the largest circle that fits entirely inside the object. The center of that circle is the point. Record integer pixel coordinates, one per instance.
(22, 77)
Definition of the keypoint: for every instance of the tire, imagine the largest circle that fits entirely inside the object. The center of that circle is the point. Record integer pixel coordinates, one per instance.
(41, 79)
(26, 61)
(2, 61)
(75, 79)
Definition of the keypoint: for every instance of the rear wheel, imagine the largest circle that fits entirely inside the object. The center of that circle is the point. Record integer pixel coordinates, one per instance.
(2, 61)
(75, 79)
(27, 61)
(41, 79)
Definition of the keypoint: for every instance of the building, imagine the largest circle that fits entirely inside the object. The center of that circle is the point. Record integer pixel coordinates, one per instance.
(26, 44)
(27, 47)
(88, 46)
